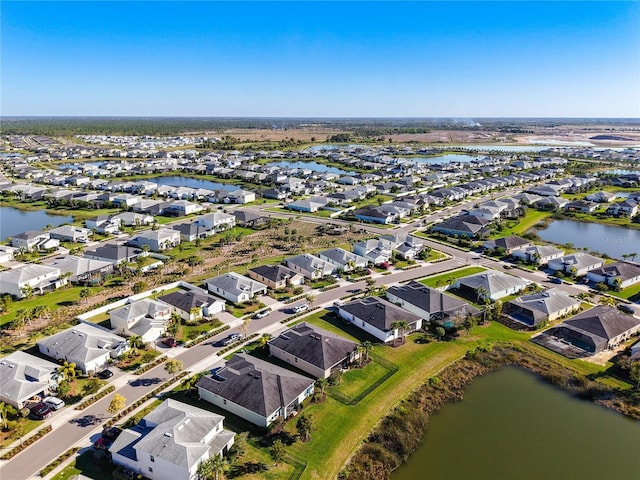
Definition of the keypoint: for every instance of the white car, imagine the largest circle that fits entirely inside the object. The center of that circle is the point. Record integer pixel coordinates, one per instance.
(54, 403)
(300, 308)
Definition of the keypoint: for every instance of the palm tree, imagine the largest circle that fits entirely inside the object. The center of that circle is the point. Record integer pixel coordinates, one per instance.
(482, 294)
(135, 342)
(365, 348)
(4, 410)
(633, 256)
(263, 341)
(173, 366)
(212, 468)
(321, 384)
(399, 327)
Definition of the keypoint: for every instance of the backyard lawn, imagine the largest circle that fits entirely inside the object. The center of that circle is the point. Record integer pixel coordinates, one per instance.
(444, 279)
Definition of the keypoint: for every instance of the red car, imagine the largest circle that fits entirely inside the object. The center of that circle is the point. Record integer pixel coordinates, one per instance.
(41, 411)
(170, 342)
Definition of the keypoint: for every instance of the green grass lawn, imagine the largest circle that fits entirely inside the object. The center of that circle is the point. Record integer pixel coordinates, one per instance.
(522, 225)
(356, 381)
(443, 279)
(86, 465)
(628, 293)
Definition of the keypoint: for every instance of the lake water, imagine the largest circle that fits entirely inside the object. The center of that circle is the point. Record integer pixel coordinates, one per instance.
(502, 148)
(450, 158)
(14, 221)
(512, 425)
(614, 241)
(177, 181)
(313, 166)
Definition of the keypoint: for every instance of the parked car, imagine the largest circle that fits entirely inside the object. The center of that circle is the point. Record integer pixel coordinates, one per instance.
(102, 443)
(111, 433)
(41, 411)
(54, 403)
(556, 280)
(170, 342)
(626, 309)
(262, 314)
(105, 374)
(300, 308)
(232, 338)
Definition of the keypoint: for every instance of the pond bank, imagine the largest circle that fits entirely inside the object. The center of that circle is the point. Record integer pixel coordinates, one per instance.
(400, 433)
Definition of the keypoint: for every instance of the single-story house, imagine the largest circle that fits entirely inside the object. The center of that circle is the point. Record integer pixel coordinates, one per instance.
(600, 328)
(343, 260)
(83, 270)
(255, 390)
(581, 206)
(69, 233)
(431, 304)
(618, 274)
(540, 307)
(31, 278)
(377, 317)
(113, 253)
(576, 263)
(193, 304)
(7, 253)
(276, 276)
(490, 285)
(462, 225)
(235, 287)
(310, 266)
(510, 244)
(157, 240)
(540, 254)
(24, 376)
(313, 350)
(87, 345)
(171, 441)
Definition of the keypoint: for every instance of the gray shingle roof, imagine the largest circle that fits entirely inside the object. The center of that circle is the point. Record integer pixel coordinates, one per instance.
(622, 270)
(275, 273)
(602, 321)
(430, 300)
(236, 284)
(314, 345)
(256, 385)
(23, 375)
(546, 303)
(175, 432)
(185, 301)
(493, 281)
(379, 313)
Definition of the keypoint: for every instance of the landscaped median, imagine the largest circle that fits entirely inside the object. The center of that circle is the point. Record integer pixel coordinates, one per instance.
(24, 444)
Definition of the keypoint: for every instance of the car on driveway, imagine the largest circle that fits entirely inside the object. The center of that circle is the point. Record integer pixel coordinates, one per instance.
(54, 403)
(626, 309)
(40, 411)
(111, 433)
(169, 342)
(105, 374)
(232, 338)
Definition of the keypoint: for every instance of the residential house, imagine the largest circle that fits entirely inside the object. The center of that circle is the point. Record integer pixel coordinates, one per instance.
(217, 221)
(34, 240)
(276, 276)
(463, 225)
(24, 376)
(191, 231)
(157, 240)
(180, 208)
(255, 390)
(541, 307)
(247, 218)
(539, 254)
(378, 317)
(551, 203)
(376, 215)
(69, 233)
(309, 266)
(345, 261)
(7, 253)
(377, 251)
(83, 270)
(509, 244)
(240, 196)
(313, 350)
(404, 245)
(626, 208)
(600, 328)
(617, 275)
(235, 287)
(132, 219)
(31, 278)
(490, 285)
(145, 318)
(87, 345)
(601, 197)
(171, 442)
(431, 304)
(104, 224)
(307, 206)
(581, 206)
(577, 264)
(193, 304)
(113, 253)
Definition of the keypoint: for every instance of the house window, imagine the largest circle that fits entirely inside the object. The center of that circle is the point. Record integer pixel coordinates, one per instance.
(363, 324)
(224, 400)
(150, 469)
(151, 458)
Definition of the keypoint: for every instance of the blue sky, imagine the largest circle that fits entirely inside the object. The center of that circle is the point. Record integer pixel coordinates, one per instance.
(419, 59)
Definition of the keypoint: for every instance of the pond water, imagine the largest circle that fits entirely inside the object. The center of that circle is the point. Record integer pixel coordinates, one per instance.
(449, 158)
(621, 172)
(313, 166)
(177, 181)
(78, 166)
(614, 241)
(503, 148)
(512, 425)
(14, 221)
